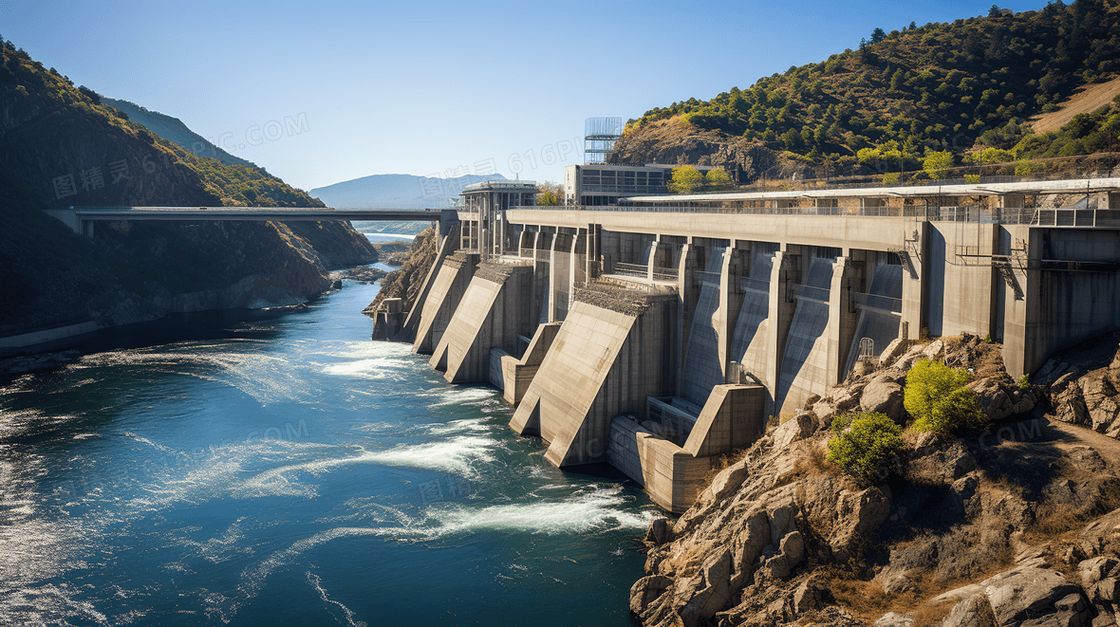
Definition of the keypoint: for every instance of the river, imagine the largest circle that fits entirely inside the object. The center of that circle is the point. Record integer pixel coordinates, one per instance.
(283, 469)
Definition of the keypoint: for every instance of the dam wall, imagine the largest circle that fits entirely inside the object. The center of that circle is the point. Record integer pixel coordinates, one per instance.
(496, 310)
(448, 285)
(657, 341)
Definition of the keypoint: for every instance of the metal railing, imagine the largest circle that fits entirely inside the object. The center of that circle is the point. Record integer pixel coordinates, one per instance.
(1027, 216)
(642, 272)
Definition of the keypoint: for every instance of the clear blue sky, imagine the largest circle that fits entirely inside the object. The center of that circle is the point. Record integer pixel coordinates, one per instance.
(322, 92)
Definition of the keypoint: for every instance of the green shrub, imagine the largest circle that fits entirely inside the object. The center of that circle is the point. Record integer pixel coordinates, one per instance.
(938, 400)
(840, 423)
(1025, 382)
(866, 450)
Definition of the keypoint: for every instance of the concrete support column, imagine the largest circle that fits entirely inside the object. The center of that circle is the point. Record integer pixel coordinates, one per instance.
(914, 282)
(730, 301)
(579, 254)
(594, 251)
(1025, 341)
(559, 276)
(783, 276)
(652, 261)
(688, 294)
(842, 317)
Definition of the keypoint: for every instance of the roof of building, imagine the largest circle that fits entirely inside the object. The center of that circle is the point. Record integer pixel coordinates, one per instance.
(491, 186)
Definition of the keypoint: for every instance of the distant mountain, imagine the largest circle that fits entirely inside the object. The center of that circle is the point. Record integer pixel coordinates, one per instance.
(404, 191)
(174, 131)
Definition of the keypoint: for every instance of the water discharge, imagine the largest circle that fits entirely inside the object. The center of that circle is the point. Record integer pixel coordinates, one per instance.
(285, 470)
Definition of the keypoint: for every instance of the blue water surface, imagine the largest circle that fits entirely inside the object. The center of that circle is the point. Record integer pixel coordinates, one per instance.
(285, 470)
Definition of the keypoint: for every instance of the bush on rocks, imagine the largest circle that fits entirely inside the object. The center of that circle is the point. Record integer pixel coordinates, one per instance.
(866, 449)
(938, 399)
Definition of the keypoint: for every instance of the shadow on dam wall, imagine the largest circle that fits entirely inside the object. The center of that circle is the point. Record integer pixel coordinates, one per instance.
(802, 361)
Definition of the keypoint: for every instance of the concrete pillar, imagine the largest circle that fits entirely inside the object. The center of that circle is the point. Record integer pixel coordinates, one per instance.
(686, 306)
(652, 261)
(914, 281)
(579, 253)
(730, 300)
(842, 317)
(559, 279)
(1025, 341)
(594, 251)
(783, 276)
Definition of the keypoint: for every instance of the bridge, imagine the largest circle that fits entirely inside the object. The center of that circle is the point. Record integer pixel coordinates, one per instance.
(82, 219)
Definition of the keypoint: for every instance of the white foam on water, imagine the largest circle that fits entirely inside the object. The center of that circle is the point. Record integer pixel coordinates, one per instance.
(265, 378)
(347, 613)
(461, 396)
(254, 576)
(465, 425)
(44, 605)
(220, 548)
(597, 509)
(375, 368)
(159, 447)
(455, 455)
(284, 481)
(368, 360)
(365, 350)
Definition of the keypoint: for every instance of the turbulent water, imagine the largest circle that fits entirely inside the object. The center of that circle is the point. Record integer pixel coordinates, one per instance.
(288, 471)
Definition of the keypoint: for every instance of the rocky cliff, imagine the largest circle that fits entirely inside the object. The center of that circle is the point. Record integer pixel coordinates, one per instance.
(1017, 525)
(672, 142)
(407, 282)
(61, 146)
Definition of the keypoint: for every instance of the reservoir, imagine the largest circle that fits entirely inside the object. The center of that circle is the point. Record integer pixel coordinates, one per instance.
(284, 469)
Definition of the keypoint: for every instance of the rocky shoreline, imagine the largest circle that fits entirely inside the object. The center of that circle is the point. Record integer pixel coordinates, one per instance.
(1016, 525)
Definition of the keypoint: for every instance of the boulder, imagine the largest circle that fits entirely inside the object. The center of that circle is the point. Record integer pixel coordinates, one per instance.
(1034, 593)
(895, 619)
(933, 350)
(975, 611)
(647, 590)
(892, 352)
(845, 399)
(811, 595)
(825, 411)
(859, 513)
(659, 533)
(799, 427)
(725, 483)
(883, 395)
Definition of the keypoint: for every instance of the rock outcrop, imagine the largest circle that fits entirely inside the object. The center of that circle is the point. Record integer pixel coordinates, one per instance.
(1081, 385)
(407, 282)
(672, 142)
(1001, 528)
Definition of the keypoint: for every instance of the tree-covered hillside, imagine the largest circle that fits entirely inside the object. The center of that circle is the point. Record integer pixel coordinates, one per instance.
(60, 145)
(953, 87)
(49, 117)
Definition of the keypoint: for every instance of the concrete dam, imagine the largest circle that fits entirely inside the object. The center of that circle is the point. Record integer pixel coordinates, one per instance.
(662, 332)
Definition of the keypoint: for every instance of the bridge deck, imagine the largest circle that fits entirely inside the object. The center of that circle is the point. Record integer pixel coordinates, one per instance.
(284, 214)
